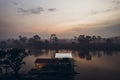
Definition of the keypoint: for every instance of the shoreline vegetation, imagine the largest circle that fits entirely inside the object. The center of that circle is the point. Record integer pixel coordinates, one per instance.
(82, 42)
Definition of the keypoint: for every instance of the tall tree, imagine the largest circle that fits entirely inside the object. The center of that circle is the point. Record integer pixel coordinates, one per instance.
(94, 38)
(15, 58)
(84, 40)
(53, 38)
(36, 38)
(3, 44)
(22, 39)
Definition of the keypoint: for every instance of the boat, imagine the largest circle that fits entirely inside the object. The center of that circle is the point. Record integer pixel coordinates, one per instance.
(62, 64)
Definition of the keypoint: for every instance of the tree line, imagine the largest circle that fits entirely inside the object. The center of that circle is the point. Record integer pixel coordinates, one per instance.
(54, 41)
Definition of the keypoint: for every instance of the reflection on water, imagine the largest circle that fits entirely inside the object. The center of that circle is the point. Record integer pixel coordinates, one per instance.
(92, 65)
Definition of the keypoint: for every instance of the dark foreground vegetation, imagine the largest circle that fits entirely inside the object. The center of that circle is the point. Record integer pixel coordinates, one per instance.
(11, 59)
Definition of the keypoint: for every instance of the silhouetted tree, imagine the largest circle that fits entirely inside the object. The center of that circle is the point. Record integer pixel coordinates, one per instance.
(94, 38)
(99, 37)
(88, 38)
(15, 58)
(84, 39)
(53, 38)
(16, 42)
(2, 55)
(3, 62)
(36, 38)
(36, 41)
(3, 44)
(108, 41)
(46, 41)
(75, 38)
(22, 39)
(81, 38)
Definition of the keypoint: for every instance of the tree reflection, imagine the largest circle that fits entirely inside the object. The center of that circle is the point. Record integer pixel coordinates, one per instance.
(108, 52)
(38, 52)
(84, 54)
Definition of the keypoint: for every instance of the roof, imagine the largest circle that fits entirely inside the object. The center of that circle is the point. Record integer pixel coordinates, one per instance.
(39, 60)
(63, 55)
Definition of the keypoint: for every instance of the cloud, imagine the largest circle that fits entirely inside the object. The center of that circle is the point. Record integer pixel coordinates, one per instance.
(106, 10)
(113, 27)
(94, 12)
(15, 3)
(112, 9)
(52, 9)
(116, 2)
(37, 10)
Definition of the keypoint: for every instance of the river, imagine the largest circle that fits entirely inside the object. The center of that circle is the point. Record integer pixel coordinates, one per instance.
(91, 65)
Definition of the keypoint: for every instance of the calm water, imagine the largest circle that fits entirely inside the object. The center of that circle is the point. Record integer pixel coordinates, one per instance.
(92, 65)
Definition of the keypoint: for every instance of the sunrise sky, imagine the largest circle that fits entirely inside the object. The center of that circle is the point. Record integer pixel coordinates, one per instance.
(66, 18)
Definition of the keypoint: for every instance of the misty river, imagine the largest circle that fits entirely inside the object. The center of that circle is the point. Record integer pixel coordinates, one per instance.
(92, 65)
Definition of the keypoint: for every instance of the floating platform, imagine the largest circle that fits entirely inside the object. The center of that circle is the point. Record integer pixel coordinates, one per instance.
(40, 72)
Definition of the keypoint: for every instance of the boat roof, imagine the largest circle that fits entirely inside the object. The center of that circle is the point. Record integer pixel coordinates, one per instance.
(63, 55)
(39, 60)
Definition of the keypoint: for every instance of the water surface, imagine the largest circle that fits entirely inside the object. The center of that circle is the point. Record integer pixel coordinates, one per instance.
(92, 65)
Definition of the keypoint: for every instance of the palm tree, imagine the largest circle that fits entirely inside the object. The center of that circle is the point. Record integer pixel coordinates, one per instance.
(36, 38)
(94, 38)
(22, 39)
(53, 38)
(84, 39)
